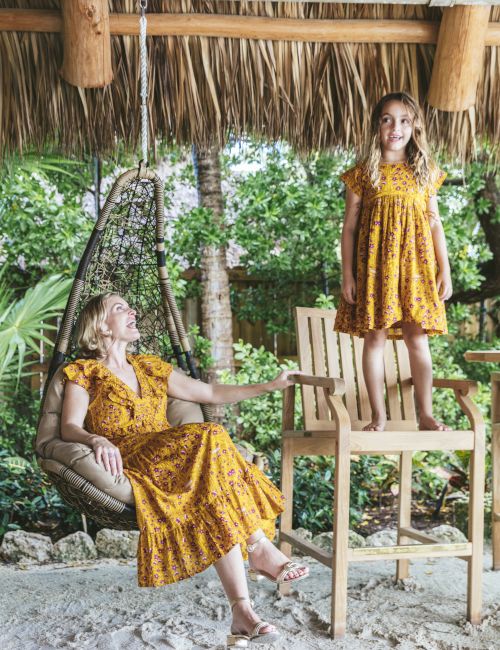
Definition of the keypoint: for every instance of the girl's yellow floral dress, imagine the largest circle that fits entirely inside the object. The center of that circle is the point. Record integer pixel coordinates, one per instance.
(394, 263)
(196, 497)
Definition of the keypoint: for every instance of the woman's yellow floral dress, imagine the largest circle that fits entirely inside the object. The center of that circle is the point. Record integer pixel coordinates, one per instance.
(196, 497)
(394, 262)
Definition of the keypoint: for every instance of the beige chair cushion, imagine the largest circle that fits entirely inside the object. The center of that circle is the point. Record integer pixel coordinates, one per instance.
(79, 457)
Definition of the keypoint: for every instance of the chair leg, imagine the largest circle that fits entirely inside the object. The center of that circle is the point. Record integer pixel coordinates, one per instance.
(287, 489)
(340, 543)
(495, 465)
(404, 514)
(475, 530)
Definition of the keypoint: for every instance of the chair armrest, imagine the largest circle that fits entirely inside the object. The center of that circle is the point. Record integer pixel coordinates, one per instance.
(334, 385)
(465, 386)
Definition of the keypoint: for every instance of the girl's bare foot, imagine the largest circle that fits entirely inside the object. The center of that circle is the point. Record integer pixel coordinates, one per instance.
(376, 424)
(266, 557)
(428, 423)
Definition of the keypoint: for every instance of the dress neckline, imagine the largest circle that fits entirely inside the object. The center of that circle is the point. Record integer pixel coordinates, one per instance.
(130, 359)
(402, 162)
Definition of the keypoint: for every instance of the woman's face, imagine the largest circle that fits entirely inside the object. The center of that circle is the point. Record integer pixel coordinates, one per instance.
(396, 126)
(120, 320)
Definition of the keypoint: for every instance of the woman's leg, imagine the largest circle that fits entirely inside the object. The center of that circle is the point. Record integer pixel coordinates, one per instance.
(373, 371)
(267, 557)
(421, 369)
(231, 571)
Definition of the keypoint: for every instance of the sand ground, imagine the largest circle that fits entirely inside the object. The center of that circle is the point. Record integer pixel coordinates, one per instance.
(98, 605)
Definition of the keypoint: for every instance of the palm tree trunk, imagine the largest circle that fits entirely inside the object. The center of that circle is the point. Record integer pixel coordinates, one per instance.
(215, 303)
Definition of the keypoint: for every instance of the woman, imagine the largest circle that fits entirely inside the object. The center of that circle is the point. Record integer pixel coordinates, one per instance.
(198, 501)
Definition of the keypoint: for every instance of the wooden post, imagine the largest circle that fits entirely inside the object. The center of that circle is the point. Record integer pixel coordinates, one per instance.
(459, 57)
(87, 43)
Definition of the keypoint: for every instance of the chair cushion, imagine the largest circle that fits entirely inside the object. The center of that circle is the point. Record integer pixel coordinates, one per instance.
(79, 457)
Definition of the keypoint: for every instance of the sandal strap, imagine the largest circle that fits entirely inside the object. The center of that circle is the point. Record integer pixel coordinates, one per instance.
(289, 566)
(257, 628)
(251, 547)
(233, 601)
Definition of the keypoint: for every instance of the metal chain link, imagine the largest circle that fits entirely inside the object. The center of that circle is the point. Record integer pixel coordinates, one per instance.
(144, 80)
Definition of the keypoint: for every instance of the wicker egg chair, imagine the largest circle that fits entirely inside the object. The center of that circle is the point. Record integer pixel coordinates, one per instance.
(126, 254)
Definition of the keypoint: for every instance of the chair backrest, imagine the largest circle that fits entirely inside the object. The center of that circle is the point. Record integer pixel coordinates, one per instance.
(326, 353)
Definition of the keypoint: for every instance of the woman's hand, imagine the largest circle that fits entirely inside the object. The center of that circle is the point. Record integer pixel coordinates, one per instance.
(109, 455)
(443, 284)
(283, 380)
(349, 289)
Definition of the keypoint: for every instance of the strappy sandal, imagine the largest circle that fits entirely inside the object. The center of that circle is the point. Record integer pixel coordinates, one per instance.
(242, 639)
(280, 579)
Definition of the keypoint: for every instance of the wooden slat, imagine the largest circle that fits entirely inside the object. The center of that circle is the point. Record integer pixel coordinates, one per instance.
(332, 349)
(325, 557)
(348, 375)
(391, 382)
(390, 441)
(405, 382)
(364, 402)
(305, 364)
(317, 446)
(318, 352)
(409, 552)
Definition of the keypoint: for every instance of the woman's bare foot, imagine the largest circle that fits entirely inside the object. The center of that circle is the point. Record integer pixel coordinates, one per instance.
(428, 423)
(245, 619)
(267, 558)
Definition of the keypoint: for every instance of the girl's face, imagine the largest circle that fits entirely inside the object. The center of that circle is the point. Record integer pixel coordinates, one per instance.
(120, 320)
(396, 127)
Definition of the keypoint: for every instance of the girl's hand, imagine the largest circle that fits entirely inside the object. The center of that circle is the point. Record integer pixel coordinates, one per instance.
(109, 455)
(443, 284)
(282, 381)
(349, 290)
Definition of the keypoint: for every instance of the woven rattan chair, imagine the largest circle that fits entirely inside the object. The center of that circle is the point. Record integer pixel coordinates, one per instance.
(125, 254)
(335, 409)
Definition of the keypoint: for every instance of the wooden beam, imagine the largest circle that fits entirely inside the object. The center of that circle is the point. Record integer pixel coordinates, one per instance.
(247, 27)
(459, 58)
(87, 43)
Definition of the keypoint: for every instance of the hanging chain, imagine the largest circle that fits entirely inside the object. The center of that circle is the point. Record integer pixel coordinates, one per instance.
(144, 80)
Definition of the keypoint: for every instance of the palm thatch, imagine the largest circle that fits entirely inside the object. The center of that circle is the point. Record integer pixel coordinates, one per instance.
(202, 90)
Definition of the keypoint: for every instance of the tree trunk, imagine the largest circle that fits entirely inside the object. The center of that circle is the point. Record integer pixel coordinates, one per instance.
(217, 323)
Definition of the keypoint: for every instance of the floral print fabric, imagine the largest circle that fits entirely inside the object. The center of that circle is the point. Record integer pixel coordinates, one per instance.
(196, 497)
(394, 263)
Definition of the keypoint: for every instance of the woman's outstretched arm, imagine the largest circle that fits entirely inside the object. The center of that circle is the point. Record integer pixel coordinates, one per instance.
(192, 390)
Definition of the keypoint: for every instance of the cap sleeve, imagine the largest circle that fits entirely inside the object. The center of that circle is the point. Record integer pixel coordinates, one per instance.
(438, 179)
(353, 179)
(80, 372)
(155, 366)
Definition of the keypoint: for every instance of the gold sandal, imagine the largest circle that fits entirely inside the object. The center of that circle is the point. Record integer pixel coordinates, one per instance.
(280, 579)
(242, 639)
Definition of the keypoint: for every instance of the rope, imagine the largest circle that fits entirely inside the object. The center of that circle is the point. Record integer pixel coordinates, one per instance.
(144, 79)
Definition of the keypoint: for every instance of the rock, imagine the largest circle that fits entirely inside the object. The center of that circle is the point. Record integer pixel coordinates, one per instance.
(29, 548)
(461, 513)
(386, 537)
(325, 540)
(75, 547)
(448, 534)
(117, 543)
(304, 534)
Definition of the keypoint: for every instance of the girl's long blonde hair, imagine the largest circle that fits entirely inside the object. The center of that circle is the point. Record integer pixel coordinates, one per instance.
(90, 339)
(417, 149)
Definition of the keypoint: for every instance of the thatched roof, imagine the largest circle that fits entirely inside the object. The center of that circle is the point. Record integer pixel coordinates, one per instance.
(315, 95)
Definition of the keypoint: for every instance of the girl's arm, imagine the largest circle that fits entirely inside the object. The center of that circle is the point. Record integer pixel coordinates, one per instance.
(443, 278)
(75, 405)
(192, 390)
(352, 211)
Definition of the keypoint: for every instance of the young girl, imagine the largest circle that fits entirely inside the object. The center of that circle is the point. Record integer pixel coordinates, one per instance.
(396, 283)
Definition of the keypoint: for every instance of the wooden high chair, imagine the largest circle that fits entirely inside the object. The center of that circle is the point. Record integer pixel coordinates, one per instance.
(335, 409)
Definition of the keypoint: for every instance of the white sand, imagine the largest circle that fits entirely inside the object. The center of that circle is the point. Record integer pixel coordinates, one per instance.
(98, 605)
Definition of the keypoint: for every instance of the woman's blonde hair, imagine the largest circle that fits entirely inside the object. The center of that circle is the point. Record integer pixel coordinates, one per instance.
(417, 149)
(90, 339)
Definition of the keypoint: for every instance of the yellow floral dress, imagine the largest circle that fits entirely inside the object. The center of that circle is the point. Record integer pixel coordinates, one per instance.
(394, 262)
(196, 497)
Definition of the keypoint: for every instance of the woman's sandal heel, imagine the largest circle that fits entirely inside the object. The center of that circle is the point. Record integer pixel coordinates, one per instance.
(241, 640)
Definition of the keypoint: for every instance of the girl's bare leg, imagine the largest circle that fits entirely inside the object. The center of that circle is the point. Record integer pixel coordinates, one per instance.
(267, 557)
(373, 371)
(231, 571)
(421, 369)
